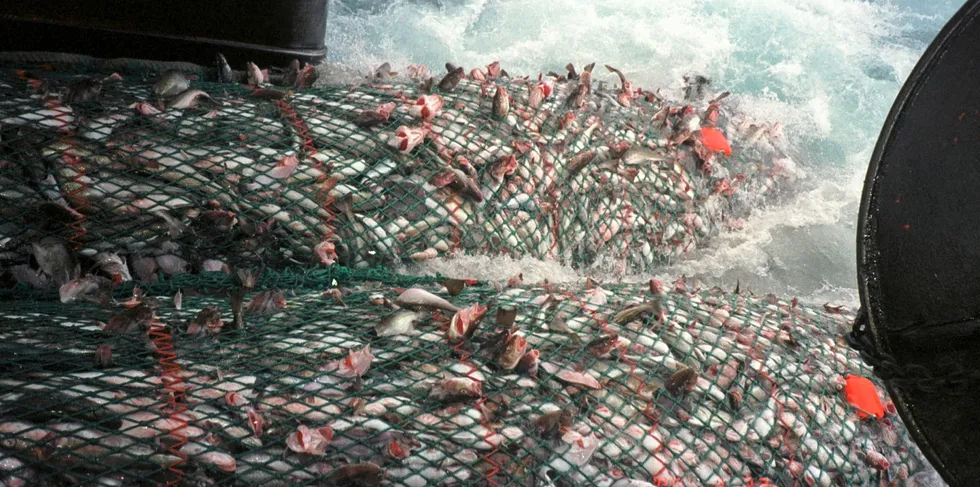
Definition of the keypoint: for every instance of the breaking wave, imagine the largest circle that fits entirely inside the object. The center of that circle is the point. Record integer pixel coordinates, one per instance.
(828, 69)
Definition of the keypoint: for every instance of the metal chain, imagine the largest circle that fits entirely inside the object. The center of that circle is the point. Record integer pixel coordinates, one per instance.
(952, 378)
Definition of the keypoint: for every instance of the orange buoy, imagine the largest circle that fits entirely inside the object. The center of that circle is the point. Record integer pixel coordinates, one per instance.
(714, 140)
(861, 393)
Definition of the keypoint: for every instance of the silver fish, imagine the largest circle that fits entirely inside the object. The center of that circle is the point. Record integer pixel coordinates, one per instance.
(171, 83)
(401, 322)
(420, 299)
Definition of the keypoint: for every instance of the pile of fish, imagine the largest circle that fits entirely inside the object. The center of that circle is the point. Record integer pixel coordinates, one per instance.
(451, 384)
(190, 172)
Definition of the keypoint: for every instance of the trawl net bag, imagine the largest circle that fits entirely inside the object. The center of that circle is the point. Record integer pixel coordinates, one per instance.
(164, 174)
(368, 384)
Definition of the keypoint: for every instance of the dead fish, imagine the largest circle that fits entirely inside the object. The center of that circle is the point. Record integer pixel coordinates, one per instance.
(401, 322)
(222, 69)
(550, 425)
(529, 364)
(456, 389)
(188, 99)
(585, 77)
(570, 68)
(291, 74)
(256, 76)
(501, 102)
(138, 317)
(267, 302)
(512, 352)
(171, 83)
(629, 314)
(207, 320)
(90, 288)
(454, 286)
(681, 381)
(452, 79)
(384, 72)
(113, 266)
(85, 90)
(420, 299)
(464, 323)
(577, 98)
(55, 260)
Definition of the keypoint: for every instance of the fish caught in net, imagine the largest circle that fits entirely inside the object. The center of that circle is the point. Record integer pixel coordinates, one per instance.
(166, 173)
(460, 383)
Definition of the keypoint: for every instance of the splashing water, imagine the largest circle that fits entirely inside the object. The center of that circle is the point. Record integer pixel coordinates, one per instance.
(828, 69)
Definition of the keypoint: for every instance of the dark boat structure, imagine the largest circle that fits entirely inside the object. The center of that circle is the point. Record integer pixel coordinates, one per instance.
(919, 251)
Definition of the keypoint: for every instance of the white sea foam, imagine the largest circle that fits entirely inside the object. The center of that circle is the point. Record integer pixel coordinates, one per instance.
(828, 69)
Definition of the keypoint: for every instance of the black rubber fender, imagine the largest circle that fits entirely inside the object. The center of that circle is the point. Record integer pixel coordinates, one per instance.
(919, 250)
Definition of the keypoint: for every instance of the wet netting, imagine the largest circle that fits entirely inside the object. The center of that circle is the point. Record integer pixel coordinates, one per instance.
(379, 173)
(198, 287)
(372, 384)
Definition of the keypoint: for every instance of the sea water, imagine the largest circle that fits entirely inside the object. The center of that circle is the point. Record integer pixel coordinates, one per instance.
(828, 69)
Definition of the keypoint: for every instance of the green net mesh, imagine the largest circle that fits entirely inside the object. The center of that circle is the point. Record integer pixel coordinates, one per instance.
(204, 294)
(552, 386)
(367, 176)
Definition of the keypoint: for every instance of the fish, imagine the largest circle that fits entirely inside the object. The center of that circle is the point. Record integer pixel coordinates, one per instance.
(464, 322)
(307, 76)
(171, 83)
(371, 118)
(354, 365)
(570, 69)
(451, 80)
(113, 266)
(577, 98)
(103, 356)
(456, 389)
(223, 72)
(529, 363)
(627, 315)
(188, 99)
(83, 91)
(626, 88)
(400, 322)
(133, 319)
(255, 76)
(501, 102)
(420, 300)
(310, 441)
(208, 319)
(585, 77)
(681, 381)
(291, 74)
(89, 288)
(512, 352)
(55, 260)
(267, 302)
(384, 72)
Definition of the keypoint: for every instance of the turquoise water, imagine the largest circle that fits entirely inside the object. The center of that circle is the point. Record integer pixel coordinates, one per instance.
(828, 69)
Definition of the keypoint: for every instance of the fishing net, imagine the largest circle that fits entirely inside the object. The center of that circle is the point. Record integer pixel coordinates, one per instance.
(368, 175)
(361, 382)
(202, 292)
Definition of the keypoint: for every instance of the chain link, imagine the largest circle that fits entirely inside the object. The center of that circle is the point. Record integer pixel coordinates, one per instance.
(951, 379)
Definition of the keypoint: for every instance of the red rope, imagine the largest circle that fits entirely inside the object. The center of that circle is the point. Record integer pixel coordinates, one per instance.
(304, 133)
(176, 397)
